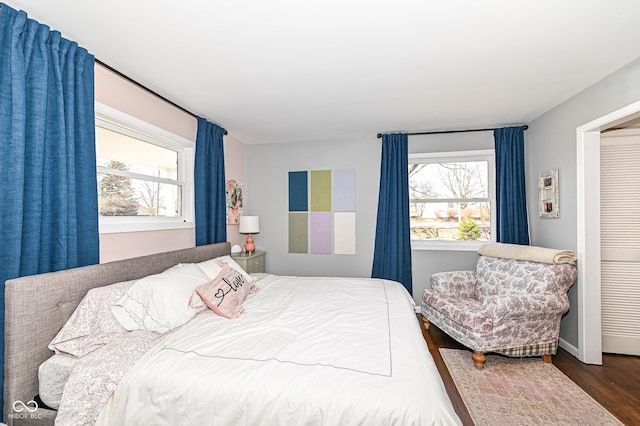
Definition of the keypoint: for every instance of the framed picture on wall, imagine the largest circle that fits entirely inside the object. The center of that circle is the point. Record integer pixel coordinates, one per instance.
(234, 201)
(548, 194)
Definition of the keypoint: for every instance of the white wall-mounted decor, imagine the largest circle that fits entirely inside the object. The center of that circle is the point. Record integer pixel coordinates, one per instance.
(548, 194)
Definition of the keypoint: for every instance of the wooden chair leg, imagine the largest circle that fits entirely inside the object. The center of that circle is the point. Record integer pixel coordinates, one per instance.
(546, 358)
(479, 359)
(426, 322)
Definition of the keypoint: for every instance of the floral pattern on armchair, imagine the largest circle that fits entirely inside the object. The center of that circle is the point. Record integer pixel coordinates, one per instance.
(508, 306)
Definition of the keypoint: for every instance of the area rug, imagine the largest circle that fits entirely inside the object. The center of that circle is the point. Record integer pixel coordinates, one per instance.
(527, 391)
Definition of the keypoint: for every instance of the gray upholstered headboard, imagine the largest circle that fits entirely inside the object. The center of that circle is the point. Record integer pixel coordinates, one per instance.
(36, 308)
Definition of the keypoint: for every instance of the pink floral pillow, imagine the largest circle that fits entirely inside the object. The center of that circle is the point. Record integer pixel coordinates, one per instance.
(225, 293)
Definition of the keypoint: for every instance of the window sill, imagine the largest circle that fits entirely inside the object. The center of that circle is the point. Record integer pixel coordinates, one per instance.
(142, 226)
(447, 245)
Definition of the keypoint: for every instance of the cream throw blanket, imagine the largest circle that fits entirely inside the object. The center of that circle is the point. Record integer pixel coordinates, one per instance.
(531, 253)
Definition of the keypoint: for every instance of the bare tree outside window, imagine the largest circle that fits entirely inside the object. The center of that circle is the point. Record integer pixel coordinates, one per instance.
(151, 198)
(463, 180)
(419, 189)
(446, 195)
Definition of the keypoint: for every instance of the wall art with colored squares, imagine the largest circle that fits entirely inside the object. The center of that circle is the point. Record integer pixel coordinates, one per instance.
(322, 211)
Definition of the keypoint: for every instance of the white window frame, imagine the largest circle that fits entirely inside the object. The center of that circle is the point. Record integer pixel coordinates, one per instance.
(118, 121)
(453, 157)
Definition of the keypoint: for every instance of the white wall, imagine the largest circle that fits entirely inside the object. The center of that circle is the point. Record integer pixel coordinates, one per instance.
(551, 143)
(267, 186)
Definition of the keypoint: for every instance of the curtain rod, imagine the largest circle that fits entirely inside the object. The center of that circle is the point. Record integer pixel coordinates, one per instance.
(438, 132)
(140, 85)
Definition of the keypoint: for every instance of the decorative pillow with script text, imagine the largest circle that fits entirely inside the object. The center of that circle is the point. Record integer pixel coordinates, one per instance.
(225, 293)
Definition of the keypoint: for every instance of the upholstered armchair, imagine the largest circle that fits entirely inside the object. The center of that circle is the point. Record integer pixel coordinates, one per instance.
(508, 306)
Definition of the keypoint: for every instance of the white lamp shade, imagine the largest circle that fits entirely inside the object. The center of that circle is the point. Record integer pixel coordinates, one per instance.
(249, 225)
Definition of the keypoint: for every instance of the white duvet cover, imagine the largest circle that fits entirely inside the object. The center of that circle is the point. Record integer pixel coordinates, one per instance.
(307, 351)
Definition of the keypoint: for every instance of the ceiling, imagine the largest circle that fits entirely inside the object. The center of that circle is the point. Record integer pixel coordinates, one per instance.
(292, 70)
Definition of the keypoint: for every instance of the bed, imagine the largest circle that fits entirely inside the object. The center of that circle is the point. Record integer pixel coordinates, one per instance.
(299, 350)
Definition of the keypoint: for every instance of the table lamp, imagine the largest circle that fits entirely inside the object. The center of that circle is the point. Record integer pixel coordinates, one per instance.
(249, 225)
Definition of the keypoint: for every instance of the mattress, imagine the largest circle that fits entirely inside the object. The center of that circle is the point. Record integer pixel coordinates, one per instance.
(314, 351)
(52, 376)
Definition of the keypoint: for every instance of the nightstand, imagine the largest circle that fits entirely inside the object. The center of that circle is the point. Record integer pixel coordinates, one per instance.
(254, 262)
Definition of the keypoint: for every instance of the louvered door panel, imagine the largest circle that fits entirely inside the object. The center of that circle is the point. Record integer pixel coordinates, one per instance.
(620, 243)
(620, 307)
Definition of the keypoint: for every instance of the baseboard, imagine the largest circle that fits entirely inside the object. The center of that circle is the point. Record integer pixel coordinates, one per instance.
(568, 347)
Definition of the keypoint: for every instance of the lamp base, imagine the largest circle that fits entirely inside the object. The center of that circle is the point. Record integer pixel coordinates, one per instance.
(249, 247)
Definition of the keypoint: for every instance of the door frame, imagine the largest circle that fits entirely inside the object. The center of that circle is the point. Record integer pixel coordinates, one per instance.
(588, 232)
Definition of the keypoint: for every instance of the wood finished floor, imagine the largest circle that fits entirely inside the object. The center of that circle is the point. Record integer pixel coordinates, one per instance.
(615, 384)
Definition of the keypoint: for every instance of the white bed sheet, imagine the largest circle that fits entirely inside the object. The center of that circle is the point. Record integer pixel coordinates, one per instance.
(313, 351)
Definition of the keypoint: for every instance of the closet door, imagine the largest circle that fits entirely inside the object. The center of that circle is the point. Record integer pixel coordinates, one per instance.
(620, 241)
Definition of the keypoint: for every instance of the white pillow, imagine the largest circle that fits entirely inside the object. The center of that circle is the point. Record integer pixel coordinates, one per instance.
(160, 302)
(212, 267)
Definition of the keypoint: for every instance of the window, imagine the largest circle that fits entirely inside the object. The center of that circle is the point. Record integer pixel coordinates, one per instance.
(451, 199)
(142, 175)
